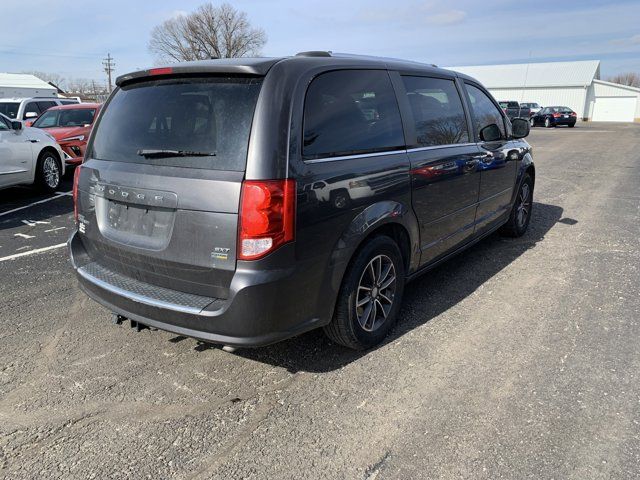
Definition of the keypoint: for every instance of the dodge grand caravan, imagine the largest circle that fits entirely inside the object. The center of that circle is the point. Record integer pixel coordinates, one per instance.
(246, 201)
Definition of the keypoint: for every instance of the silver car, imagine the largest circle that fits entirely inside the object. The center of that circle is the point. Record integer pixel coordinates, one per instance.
(29, 156)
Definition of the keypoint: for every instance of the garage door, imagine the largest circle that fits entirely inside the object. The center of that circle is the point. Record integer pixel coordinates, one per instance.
(614, 109)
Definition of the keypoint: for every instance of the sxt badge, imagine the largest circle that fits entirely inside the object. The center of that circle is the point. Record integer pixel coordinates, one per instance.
(220, 253)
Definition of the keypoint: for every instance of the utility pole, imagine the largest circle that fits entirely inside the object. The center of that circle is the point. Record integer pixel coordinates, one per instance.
(109, 65)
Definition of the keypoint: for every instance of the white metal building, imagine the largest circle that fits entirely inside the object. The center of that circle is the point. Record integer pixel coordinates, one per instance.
(576, 85)
(18, 85)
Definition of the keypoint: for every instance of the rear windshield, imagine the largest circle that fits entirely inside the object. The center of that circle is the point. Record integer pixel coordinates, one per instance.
(10, 109)
(206, 120)
(65, 118)
(561, 109)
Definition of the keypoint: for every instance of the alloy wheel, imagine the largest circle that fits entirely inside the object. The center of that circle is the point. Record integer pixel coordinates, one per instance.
(524, 205)
(376, 292)
(51, 172)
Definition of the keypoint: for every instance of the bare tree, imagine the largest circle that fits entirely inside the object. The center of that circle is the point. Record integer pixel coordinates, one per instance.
(209, 32)
(631, 79)
(82, 86)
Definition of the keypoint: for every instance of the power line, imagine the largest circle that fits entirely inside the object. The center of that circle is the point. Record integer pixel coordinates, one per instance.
(109, 65)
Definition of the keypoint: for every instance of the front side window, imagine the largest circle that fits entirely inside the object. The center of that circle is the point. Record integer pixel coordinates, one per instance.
(187, 122)
(349, 112)
(31, 107)
(483, 111)
(44, 106)
(437, 111)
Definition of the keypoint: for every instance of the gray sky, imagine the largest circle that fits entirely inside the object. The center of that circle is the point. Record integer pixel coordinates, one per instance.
(71, 37)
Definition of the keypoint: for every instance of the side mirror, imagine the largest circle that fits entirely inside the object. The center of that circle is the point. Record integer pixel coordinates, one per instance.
(16, 125)
(519, 128)
(28, 123)
(491, 133)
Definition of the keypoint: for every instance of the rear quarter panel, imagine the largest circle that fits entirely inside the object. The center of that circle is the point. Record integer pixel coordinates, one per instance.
(340, 203)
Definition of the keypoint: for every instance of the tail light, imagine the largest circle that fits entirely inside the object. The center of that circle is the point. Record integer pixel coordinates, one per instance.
(574, 114)
(267, 217)
(557, 115)
(76, 178)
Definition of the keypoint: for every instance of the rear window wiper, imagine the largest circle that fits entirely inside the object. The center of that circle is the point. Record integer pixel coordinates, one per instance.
(157, 153)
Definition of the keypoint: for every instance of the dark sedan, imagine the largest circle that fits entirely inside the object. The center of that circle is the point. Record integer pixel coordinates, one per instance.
(553, 116)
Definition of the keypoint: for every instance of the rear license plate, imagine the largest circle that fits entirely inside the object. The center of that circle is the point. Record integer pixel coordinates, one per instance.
(133, 219)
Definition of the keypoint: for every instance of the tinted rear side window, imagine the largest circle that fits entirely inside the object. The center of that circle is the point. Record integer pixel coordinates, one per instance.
(10, 109)
(349, 112)
(437, 111)
(208, 115)
(483, 110)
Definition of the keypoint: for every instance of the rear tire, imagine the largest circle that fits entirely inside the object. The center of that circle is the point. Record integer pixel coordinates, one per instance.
(547, 123)
(48, 171)
(370, 295)
(532, 122)
(520, 215)
(571, 125)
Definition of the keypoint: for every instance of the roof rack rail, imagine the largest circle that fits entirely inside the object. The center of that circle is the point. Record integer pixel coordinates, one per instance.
(314, 53)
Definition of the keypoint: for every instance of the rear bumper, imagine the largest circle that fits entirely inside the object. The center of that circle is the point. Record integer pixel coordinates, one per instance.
(564, 121)
(262, 307)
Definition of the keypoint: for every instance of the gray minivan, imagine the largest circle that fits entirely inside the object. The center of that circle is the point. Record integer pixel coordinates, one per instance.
(245, 201)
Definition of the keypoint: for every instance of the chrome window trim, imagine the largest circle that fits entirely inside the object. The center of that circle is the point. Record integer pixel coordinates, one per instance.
(438, 147)
(390, 152)
(351, 157)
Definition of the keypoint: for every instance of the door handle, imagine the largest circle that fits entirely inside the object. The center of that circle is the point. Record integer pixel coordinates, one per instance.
(471, 164)
(33, 141)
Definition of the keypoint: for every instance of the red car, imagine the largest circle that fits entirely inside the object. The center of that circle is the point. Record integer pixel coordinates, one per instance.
(70, 125)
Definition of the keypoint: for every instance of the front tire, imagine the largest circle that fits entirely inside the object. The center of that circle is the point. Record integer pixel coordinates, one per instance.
(370, 295)
(48, 171)
(520, 215)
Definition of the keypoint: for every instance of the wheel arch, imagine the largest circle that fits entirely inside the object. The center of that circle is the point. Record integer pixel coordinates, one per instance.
(50, 149)
(526, 167)
(39, 159)
(390, 218)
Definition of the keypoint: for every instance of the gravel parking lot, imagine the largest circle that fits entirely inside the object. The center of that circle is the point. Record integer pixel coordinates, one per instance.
(518, 359)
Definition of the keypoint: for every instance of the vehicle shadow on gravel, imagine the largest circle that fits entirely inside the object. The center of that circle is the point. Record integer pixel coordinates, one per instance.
(424, 299)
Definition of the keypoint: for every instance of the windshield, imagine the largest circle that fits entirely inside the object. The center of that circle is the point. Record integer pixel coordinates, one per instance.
(190, 122)
(66, 118)
(10, 109)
